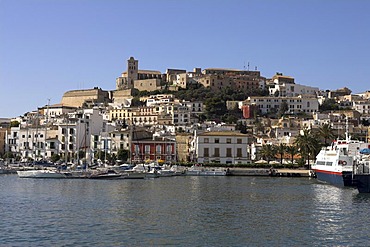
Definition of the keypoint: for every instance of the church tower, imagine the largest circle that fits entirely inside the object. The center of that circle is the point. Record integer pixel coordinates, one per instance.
(132, 71)
(127, 78)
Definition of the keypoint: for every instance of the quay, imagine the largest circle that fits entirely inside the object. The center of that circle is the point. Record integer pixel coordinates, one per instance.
(268, 172)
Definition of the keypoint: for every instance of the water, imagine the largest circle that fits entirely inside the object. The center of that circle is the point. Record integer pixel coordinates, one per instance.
(181, 211)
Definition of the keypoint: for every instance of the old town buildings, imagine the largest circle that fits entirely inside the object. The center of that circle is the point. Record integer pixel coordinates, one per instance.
(94, 123)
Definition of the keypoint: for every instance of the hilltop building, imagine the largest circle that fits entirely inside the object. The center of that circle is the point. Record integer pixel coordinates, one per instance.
(148, 80)
(79, 98)
(284, 86)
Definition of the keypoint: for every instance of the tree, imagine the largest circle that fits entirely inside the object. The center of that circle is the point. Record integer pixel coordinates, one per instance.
(14, 124)
(308, 145)
(284, 107)
(328, 105)
(281, 149)
(122, 154)
(55, 157)
(292, 150)
(326, 132)
(268, 152)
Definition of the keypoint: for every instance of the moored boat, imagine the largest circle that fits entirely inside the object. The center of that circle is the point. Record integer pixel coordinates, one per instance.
(334, 164)
(362, 174)
(198, 170)
(44, 173)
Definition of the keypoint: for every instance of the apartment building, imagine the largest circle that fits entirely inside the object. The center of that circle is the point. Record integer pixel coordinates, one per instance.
(295, 104)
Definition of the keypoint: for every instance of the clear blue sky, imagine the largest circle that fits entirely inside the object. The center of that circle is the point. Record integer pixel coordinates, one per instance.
(48, 47)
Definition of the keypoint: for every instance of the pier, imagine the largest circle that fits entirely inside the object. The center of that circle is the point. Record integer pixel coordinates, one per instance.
(268, 172)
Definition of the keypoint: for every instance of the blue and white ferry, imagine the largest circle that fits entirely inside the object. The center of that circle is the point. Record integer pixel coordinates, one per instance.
(335, 163)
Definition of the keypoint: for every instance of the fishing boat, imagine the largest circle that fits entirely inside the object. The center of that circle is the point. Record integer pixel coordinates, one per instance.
(335, 163)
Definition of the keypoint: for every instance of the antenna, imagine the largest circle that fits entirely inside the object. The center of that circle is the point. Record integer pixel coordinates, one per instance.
(248, 66)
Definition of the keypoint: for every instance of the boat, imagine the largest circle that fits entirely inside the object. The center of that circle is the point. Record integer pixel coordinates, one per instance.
(138, 172)
(198, 170)
(42, 173)
(335, 163)
(362, 173)
(107, 174)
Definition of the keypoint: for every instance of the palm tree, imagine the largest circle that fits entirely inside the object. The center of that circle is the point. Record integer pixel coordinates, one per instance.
(308, 145)
(292, 150)
(281, 149)
(268, 152)
(326, 132)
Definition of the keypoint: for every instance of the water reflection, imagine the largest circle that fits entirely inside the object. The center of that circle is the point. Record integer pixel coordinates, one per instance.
(185, 211)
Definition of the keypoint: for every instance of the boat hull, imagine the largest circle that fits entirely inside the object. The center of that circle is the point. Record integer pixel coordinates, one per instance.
(339, 179)
(363, 183)
(40, 174)
(205, 173)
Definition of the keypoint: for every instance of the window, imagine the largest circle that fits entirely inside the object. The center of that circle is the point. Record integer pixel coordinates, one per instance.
(158, 149)
(217, 152)
(228, 152)
(217, 140)
(206, 140)
(137, 149)
(169, 149)
(239, 141)
(147, 149)
(206, 152)
(239, 152)
(228, 140)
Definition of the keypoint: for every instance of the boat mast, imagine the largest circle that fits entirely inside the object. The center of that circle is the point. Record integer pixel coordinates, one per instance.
(347, 136)
(46, 129)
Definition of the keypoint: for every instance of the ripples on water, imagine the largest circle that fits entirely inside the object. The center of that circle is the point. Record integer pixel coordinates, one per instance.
(185, 211)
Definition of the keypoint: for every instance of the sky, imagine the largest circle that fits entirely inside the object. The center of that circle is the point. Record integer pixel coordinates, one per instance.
(48, 47)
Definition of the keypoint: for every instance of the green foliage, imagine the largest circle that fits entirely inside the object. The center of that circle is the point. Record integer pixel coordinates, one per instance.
(8, 155)
(122, 154)
(326, 132)
(14, 124)
(136, 102)
(268, 152)
(284, 107)
(55, 157)
(329, 105)
(309, 145)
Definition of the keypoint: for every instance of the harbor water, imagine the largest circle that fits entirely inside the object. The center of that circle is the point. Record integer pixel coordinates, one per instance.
(181, 211)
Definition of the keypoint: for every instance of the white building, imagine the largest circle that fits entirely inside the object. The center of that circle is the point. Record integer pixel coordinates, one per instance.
(295, 104)
(286, 87)
(362, 106)
(221, 147)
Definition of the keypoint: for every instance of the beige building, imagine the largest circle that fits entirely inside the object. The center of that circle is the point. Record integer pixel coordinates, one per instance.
(242, 80)
(77, 98)
(135, 78)
(224, 147)
(183, 144)
(3, 132)
(135, 115)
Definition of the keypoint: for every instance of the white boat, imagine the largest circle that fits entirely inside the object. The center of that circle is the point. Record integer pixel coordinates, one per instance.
(41, 174)
(198, 170)
(335, 163)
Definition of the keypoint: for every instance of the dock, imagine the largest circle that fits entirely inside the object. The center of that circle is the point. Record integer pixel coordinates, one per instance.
(268, 172)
